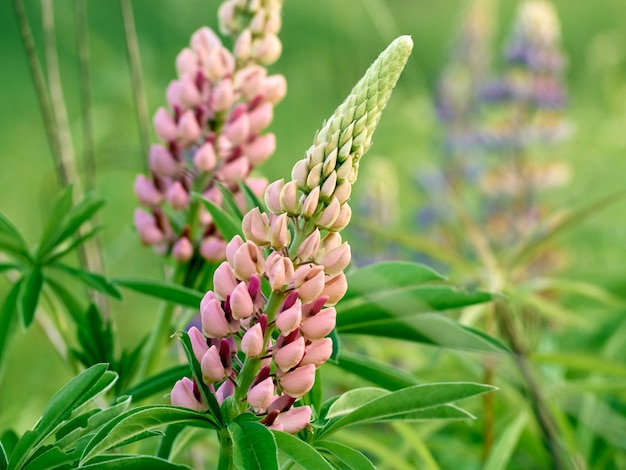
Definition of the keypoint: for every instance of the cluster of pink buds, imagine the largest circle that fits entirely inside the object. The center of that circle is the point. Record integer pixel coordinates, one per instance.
(295, 250)
(212, 133)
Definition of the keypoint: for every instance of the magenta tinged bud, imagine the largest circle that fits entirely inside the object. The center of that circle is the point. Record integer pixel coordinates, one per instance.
(299, 173)
(299, 381)
(260, 396)
(249, 81)
(279, 232)
(309, 206)
(252, 341)
(161, 162)
(224, 391)
(260, 148)
(182, 250)
(289, 355)
(272, 196)
(183, 395)
(318, 352)
(289, 319)
(256, 227)
(240, 302)
(198, 343)
(187, 63)
(214, 323)
(261, 117)
(294, 420)
(204, 158)
(147, 229)
(164, 125)
(177, 196)
(213, 249)
(188, 128)
(335, 288)
(224, 281)
(248, 260)
(309, 280)
(222, 96)
(238, 129)
(234, 171)
(336, 260)
(320, 325)
(146, 192)
(212, 367)
(188, 93)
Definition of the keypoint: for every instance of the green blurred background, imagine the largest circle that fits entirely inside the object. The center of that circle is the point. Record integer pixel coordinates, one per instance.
(327, 46)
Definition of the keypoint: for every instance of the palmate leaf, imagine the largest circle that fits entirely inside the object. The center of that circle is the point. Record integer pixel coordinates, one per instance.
(401, 402)
(162, 290)
(254, 447)
(225, 223)
(299, 451)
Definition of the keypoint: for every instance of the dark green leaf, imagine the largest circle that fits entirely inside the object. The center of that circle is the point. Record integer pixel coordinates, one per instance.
(400, 402)
(162, 290)
(12, 247)
(31, 288)
(73, 307)
(52, 457)
(334, 336)
(139, 423)
(8, 315)
(252, 200)
(4, 459)
(229, 203)
(93, 280)
(381, 374)
(77, 216)
(158, 383)
(95, 336)
(9, 440)
(299, 451)
(133, 462)
(352, 458)
(56, 217)
(9, 266)
(254, 447)
(74, 394)
(225, 223)
(57, 254)
(167, 441)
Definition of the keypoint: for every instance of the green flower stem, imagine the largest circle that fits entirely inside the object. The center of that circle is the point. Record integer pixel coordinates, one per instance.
(226, 451)
(154, 348)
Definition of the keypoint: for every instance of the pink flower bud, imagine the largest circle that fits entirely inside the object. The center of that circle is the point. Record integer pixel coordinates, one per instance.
(293, 421)
(279, 232)
(331, 241)
(260, 396)
(260, 149)
(336, 260)
(328, 187)
(172, 94)
(161, 162)
(249, 81)
(248, 260)
(226, 15)
(164, 125)
(182, 250)
(318, 352)
(233, 245)
(343, 191)
(237, 129)
(268, 49)
(146, 192)
(205, 39)
(234, 171)
(300, 172)
(309, 247)
(309, 206)
(272, 196)
(222, 96)
(309, 280)
(212, 367)
(147, 229)
(289, 198)
(177, 196)
(218, 63)
(289, 319)
(214, 323)
(279, 270)
(187, 63)
(252, 341)
(261, 117)
(241, 302)
(318, 326)
(224, 281)
(345, 214)
(335, 288)
(183, 395)
(256, 227)
(213, 249)
(243, 45)
(188, 128)
(329, 215)
(299, 381)
(257, 23)
(204, 158)
(198, 343)
(274, 88)
(188, 93)
(224, 391)
(289, 355)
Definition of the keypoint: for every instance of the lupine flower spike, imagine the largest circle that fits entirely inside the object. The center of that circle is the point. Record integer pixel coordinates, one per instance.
(284, 331)
(213, 130)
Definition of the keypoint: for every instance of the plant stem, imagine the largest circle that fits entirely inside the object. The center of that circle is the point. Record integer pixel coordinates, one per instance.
(134, 61)
(226, 451)
(542, 412)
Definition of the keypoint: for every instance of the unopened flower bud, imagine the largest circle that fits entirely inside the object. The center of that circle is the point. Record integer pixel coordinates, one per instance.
(294, 420)
(243, 45)
(260, 396)
(268, 49)
(188, 93)
(161, 162)
(182, 250)
(147, 229)
(279, 232)
(222, 96)
(198, 343)
(183, 395)
(274, 88)
(309, 247)
(248, 260)
(289, 198)
(224, 391)
(320, 325)
(146, 192)
(177, 196)
(318, 352)
(186, 63)
(309, 206)
(218, 63)
(214, 323)
(240, 302)
(213, 248)
(299, 381)
(261, 117)
(335, 288)
(288, 356)
(289, 319)
(164, 125)
(343, 191)
(204, 158)
(272, 196)
(237, 128)
(250, 81)
(256, 227)
(233, 245)
(205, 39)
(252, 341)
(234, 171)
(345, 214)
(330, 214)
(188, 128)
(314, 177)
(260, 148)
(336, 260)
(212, 367)
(328, 187)
(309, 280)
(279, 270)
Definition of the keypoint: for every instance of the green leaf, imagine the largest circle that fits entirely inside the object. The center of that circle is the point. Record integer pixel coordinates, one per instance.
(254, 447)
(422, 328)
(12, 247)
(93, 280)
(73, 306)
(382, 374)
(169, 438)
(404, 401)
(229, 203)
(4, 459)
(160, 382)
(252, 200)
(353, 399)
(9, 266)
(7, 227)
(137, 423)
(95, 337)
(31, 288)
(162, 290)
(74, 394)
(225, 223)
(8, 315)
(299, 451)
(506, 443)
(441, 412)
(57, 254)
(351, 458)
(56, 217)
(77, 216)
(388, 276)
(133, 462)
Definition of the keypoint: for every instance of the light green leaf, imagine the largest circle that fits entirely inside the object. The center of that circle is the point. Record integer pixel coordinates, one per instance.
(382, 374)
(404, 401)
(353, 399)
(74, 394)
(299, 451)
(351, 458)
(506, 443)
(225, 223)
(93, 280)
(31, 288)
(254, 447)
(162, 290)
(137, 423)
